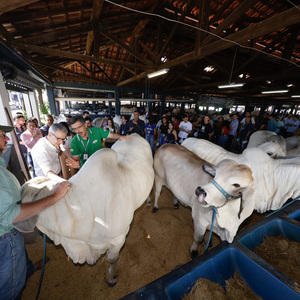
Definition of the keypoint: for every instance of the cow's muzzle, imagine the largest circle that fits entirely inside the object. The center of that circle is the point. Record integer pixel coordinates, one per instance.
(201, 194)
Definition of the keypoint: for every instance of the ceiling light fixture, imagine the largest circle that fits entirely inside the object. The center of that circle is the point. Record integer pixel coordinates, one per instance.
(158, 73)
(275, 92)
(230, 85)
(295, 96)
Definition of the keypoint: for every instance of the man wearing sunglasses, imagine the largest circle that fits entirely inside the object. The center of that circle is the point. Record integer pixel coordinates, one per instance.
(46, 151)
(13, 258)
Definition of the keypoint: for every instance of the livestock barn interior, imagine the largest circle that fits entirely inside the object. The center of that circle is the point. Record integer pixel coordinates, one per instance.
(101, 53)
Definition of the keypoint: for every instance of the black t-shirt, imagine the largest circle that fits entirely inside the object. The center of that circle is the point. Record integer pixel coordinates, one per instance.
(204, 130)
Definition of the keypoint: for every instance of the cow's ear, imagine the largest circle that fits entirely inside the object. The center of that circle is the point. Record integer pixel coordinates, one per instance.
(209, 169)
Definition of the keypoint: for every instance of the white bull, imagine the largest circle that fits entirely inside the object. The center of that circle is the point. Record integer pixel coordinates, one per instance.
(182, 171)
(268, 141)
(95, 215)
(275, 181)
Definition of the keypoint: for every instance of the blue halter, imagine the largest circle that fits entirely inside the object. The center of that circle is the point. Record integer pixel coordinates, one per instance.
(226, 195)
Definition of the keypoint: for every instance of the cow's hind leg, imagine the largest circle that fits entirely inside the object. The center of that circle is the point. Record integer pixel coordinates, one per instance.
(157, 192)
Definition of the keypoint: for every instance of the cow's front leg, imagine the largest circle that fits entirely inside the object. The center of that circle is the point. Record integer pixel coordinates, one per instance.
(175, 202)
(157, 192)
(199, 232)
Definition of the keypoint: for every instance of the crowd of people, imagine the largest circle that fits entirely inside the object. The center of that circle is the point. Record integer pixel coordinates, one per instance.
(76, 139)
(58, 150)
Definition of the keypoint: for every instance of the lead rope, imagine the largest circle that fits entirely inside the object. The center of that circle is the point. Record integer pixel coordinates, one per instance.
(282, 207)
(211, 228)
(43, 268)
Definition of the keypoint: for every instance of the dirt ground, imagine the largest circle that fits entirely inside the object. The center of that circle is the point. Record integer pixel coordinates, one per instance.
(155, 245)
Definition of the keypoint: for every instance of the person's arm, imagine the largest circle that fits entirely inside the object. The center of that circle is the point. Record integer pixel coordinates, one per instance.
(31, 209)
(117, 136)
(52, 176)
(175, 135)
(28, 140)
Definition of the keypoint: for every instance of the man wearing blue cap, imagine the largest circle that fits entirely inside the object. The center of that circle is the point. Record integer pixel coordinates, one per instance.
(13, 262)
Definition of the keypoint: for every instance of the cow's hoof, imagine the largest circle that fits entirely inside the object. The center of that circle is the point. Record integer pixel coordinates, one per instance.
(194, 254)
(155, 209)
(148, 204)
(111, 283)
(176, 206)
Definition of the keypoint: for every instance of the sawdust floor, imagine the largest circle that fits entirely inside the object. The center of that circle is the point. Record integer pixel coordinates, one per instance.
(155, 245)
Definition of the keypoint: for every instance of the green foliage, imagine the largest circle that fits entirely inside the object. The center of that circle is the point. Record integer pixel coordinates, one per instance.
(44, 109)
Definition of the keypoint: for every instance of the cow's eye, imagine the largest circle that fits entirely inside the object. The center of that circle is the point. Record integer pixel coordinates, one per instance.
(236, 185)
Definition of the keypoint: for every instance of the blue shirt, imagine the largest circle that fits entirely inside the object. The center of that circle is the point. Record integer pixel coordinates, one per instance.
(234, 124)
(10, 195)
(272, 124)
(150, 129)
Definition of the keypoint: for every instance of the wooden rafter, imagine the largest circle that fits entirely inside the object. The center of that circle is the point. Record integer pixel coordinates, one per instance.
(284, 19)
(171, 35)
(96, 11)
(233, 17)
(75, 56)
(126, 47)
(6, 6)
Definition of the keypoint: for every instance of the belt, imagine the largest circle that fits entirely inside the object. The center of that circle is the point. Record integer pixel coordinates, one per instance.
(12, 231)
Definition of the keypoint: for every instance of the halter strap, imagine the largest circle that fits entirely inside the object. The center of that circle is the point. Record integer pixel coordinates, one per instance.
(220, 189)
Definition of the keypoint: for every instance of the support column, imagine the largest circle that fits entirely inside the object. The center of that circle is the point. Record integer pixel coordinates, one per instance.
(4, 103)
(110, 96)
(51, 100)
(28, 105)
(162, 105)
(117, 102)
(35, 107)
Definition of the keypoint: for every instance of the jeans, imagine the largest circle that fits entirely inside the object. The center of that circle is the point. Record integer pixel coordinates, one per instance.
(13, 265)
(30, 163)
(150, 140)
(161, 139)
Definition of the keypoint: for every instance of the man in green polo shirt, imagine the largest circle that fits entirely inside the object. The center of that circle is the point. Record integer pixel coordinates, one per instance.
(87, 141)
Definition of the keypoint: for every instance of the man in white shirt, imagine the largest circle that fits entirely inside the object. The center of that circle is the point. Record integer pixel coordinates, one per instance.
(185, 128)
(45, 153)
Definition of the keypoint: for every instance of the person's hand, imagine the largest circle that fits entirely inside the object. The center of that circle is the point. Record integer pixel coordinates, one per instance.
(61, 190)
(125, 137)
(131, 128)
(70, 162)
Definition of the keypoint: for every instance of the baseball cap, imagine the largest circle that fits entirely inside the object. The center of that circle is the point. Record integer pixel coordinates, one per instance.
(6, 128)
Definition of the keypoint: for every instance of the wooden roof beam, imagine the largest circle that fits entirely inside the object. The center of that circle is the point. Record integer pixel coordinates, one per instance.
(96, 11)
(171, 35)
(132, 79)
(203, 22)
(233, 17)
(75, 56)
(126, 47)
(274, 23)
(56, 68)
(6, 6)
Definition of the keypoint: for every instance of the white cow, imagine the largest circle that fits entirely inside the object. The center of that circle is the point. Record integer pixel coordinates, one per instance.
(182, 171)
(275, 181)
(95, 215)
(268, 141)
(275, 145)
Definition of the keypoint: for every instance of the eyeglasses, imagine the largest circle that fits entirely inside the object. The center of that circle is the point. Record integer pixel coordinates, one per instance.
(4, 135)
(63, 140)
(75, 129)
